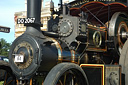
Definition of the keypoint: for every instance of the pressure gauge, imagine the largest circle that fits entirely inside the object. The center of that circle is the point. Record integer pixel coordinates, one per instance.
(65, 27)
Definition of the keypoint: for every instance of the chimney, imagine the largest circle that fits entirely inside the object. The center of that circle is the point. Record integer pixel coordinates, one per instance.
(34, 11)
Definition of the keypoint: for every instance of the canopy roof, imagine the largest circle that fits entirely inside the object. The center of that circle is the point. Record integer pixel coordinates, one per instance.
(100, 10)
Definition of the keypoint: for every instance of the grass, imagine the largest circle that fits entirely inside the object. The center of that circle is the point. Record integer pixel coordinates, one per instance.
(1, 82)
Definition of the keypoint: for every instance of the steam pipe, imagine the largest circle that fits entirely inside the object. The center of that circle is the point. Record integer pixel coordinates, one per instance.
(61, 5)
(34, 11)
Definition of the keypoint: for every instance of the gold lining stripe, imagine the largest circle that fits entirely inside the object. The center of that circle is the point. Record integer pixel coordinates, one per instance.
(59, 49)
(72, 55)
(30, 81)
(96, 65)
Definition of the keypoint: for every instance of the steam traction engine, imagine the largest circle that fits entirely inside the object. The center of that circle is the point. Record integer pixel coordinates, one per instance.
(86, 44)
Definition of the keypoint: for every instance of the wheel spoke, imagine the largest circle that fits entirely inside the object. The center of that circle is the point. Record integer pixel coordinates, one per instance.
(72, 80)
(5, 78)
(9, 80)
(60, 82)
(70, 74)
(65, 78)
(68, 78)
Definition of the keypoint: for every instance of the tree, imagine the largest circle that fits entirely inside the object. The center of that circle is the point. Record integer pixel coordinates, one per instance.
(4, 47)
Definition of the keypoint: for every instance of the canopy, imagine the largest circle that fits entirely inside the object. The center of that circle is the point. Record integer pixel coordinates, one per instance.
(100, 10)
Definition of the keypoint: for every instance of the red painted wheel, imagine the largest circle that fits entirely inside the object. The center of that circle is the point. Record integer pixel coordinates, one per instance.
(66, 74)
(6, 74)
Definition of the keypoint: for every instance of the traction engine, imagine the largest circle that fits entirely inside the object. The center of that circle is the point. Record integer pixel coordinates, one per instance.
(85, 44)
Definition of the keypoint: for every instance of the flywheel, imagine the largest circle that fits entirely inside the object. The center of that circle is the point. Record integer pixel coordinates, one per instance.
(118, 29)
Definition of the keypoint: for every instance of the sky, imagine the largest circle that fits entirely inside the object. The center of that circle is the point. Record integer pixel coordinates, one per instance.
(7, 10)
